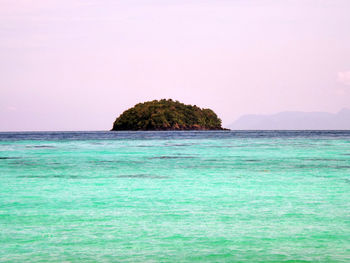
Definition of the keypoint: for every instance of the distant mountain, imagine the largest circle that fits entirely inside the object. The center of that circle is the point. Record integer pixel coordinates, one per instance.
(294, 120)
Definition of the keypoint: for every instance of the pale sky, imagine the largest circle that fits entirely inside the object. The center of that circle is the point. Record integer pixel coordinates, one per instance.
(76, 65)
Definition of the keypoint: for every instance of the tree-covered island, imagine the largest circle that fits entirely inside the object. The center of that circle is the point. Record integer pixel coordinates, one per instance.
(167, 115)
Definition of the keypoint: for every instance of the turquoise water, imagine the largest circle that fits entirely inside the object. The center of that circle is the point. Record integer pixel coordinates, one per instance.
(175, 197)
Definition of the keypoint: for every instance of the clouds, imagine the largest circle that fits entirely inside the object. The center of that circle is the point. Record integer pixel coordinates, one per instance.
(344, 77)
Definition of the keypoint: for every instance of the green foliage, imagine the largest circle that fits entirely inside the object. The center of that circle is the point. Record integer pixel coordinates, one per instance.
(167, 115)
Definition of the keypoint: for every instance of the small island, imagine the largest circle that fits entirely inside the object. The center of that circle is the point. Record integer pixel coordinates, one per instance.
(168, 114)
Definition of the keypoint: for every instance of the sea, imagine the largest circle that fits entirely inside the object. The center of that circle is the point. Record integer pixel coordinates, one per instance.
(175, 196)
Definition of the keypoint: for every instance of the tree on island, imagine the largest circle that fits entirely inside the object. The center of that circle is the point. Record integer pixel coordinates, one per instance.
(167, 115)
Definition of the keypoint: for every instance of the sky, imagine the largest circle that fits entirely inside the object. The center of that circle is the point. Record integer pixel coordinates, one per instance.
(78, 64)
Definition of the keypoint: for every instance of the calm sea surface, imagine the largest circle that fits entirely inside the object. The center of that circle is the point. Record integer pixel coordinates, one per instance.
(224, 196)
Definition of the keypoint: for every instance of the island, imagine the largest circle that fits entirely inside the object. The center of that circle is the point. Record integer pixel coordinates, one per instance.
(167, 114)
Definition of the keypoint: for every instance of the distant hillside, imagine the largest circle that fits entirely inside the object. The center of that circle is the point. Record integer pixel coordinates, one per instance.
(294, 121)
(167, 115)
